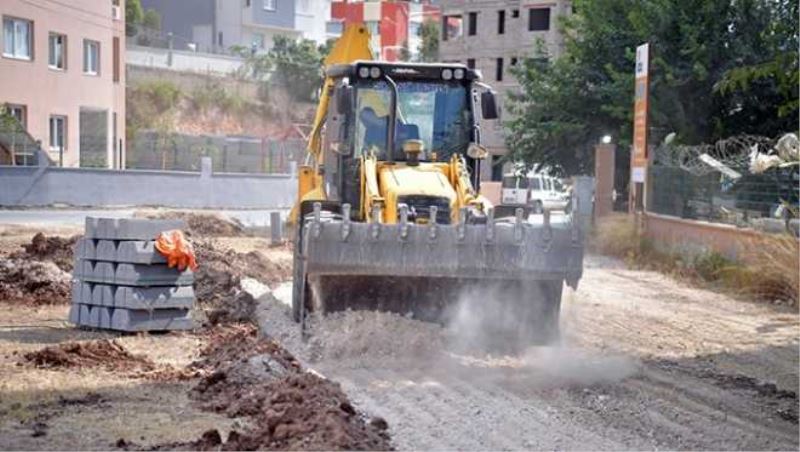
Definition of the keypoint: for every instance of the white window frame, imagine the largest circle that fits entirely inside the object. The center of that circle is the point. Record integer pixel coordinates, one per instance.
(14, 22)
(55, 119)
(88, 68)
(20, 112)
(51, 49)
(270, 5)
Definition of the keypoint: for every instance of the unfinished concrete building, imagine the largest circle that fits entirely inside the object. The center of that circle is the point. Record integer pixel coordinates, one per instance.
(493, 36)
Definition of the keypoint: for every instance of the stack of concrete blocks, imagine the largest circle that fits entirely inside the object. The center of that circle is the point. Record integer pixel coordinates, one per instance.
(121, 282)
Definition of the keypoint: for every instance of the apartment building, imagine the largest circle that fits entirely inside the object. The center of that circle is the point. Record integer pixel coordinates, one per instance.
(217, 25)
(493, 36)
(62, 75)
(393, 25)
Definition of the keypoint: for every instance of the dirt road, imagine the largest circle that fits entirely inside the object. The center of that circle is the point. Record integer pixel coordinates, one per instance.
(645, 363)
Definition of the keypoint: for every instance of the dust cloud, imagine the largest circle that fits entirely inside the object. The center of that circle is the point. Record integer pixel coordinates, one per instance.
(473, 343)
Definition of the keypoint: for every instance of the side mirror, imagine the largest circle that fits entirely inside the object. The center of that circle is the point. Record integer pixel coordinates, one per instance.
(477, 152)
(344, 99)
(488, 105)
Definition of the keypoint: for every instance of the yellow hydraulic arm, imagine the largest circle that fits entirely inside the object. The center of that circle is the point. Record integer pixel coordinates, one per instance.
(353, 45)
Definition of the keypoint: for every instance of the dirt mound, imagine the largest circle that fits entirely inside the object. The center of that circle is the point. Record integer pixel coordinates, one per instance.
(203, 224)
(290, 409)
(218, 281)
(104, 353)
(58, 250)
(32, 282)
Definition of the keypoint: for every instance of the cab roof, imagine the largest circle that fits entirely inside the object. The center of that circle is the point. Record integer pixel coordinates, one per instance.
(406, 71)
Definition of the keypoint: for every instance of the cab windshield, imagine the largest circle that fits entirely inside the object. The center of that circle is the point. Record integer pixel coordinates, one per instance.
(435, 112)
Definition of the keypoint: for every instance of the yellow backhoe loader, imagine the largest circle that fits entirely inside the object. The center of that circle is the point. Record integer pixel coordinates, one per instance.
(389, 214)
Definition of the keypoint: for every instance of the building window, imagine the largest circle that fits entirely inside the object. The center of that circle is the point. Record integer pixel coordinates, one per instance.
(219, 39)
(499, 70)
(515, 14)
(258, 40)
(57, 44)
(538, 19)
(501, 22)
(471, 63)
(19, 112)
(513, 61)
(270, 5)
(452, 27)
(247, 4)
(17, 38)
(58, 133)
(115, 59)
(91, 57)
(473, 24)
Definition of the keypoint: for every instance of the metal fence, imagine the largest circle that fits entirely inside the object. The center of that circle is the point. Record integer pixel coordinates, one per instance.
(743, 181)
(229, 154)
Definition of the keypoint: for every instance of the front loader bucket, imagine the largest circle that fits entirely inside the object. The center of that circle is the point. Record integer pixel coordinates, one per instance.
(422, 270)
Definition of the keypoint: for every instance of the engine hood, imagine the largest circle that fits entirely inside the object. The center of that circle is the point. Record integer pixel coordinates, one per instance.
(426, 179)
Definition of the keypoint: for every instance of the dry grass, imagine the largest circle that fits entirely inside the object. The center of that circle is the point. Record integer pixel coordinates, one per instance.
(768, 269)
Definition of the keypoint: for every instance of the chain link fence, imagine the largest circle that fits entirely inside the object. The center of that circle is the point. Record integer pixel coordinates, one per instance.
(229, 154)
(747, 181)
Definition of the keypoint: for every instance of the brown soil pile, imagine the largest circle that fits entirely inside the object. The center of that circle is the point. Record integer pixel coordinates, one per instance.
(32, 282)
(218, 281)
(201, 225)
(58, 250)
(290, 409)
(105, 353)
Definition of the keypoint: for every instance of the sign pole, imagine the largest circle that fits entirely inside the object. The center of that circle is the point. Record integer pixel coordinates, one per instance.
(639, 156)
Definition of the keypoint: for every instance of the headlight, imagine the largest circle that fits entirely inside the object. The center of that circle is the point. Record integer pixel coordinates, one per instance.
(363, 72)
(375, 72)
(447, 74)
(458, 74)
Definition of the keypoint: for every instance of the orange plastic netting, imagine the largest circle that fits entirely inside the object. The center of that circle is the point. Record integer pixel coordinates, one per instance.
(178, 251)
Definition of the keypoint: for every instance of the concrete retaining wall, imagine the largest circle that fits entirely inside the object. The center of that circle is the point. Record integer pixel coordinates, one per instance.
(694, 237)
(42, 186)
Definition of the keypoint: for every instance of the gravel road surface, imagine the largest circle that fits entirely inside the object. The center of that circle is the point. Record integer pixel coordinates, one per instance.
(645, 363)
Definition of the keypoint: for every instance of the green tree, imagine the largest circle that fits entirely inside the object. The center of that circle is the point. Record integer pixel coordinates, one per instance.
(133, 16)
(566, 104)
(151, 20)
(429, 47)
(298, 66)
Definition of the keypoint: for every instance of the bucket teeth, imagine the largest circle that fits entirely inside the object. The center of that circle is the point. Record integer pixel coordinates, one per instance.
(490, 225)
(403, 221)
(432, 223)
(345, 221)
(375, 226)
(316, 227)
(461, 228)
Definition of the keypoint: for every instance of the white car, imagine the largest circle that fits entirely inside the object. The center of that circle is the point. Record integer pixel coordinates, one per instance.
(533, 193)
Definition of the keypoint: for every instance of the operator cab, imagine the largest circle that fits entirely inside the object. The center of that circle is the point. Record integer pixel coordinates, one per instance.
(434, 105)
(431, 106)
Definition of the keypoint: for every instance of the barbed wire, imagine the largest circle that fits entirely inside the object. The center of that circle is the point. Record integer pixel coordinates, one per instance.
(734, 152)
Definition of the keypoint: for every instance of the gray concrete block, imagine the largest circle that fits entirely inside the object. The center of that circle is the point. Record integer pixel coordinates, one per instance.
(77, 285)
(84, 315)
(85, 248)
(86, 293)
(77, 268)
(74, 314)
(102, 272)
(154, 297)
(77, 249)
(94, 317)
(139, 252)
(106, 250)
(141, 229)
(90, 227)
(155, 320)
(103, 295)
(152, 275)
(107, 228)
(105, 317)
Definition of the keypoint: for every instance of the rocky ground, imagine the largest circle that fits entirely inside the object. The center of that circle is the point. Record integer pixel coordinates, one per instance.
(222, 386)
(645, 362)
